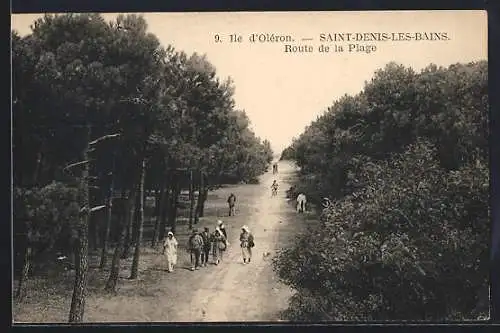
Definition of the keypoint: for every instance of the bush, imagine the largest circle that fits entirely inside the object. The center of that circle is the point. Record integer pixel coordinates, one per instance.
(447, 106)
(44, 218)
(425, 237)
(405, 235)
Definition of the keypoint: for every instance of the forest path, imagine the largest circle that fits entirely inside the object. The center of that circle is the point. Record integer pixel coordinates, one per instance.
(234, 291)
(230, 291)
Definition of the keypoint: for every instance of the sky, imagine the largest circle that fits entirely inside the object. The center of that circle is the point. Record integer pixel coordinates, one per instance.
(282, 92)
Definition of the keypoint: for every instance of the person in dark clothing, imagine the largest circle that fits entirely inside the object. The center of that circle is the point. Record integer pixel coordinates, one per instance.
(290, 193)
(206, 246)
(195, 247)
(231, 200)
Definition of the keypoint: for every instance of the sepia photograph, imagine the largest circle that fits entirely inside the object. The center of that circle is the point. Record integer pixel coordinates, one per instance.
(250, 167)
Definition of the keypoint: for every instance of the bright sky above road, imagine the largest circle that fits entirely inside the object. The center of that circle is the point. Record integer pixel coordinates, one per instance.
(283, 92)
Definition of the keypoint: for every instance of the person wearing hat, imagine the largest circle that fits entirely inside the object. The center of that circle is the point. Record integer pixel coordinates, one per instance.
(170, 251)
(219, 245)
(195, 247)
(206, 246)
(222, 228)
(246, 243)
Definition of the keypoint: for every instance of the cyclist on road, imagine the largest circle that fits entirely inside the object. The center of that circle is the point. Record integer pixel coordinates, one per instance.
(274, 188)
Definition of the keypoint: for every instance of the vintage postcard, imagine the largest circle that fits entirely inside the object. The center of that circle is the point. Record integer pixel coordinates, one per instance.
(250, 166)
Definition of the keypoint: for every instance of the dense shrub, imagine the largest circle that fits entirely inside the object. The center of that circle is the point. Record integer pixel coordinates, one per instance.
(287, 154)
(44, 219)
(405, 233)
(448, 106)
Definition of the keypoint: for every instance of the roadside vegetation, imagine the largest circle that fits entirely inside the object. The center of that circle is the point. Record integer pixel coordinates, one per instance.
(400, 172)
(113, 133)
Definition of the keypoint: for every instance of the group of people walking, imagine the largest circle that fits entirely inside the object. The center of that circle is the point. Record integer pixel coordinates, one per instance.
(202, 244)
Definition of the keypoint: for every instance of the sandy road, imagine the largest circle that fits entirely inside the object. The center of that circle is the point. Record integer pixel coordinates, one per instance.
(233, 291)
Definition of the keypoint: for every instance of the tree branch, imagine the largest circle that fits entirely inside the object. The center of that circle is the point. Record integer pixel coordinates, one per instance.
(96, 208)
(105, 137)
(75, 164)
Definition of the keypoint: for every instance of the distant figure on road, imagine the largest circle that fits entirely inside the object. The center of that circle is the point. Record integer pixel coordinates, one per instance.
(301, 203)
(274, 188)
(205, 254)
(231, 200)
(219, 245)
(195, 246)
(170, 251)
(275, 168)
(246, 243)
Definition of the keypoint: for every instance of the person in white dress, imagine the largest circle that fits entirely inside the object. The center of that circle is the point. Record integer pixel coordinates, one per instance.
(301, 203)
(170, 251)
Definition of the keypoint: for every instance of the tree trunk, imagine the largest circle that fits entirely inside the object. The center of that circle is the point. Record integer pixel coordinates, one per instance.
(203, 200)
(38, 167)
(109, 216)
(199, 200)
(130, 227)
(115, 263)
(140, 227)
(172, 219)
(165, 211)
(203, 195)
(95, 236)
(123, 215)
(78, 300)
(191, 199)
(160, 207)
(21, 287)
(157, 194)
